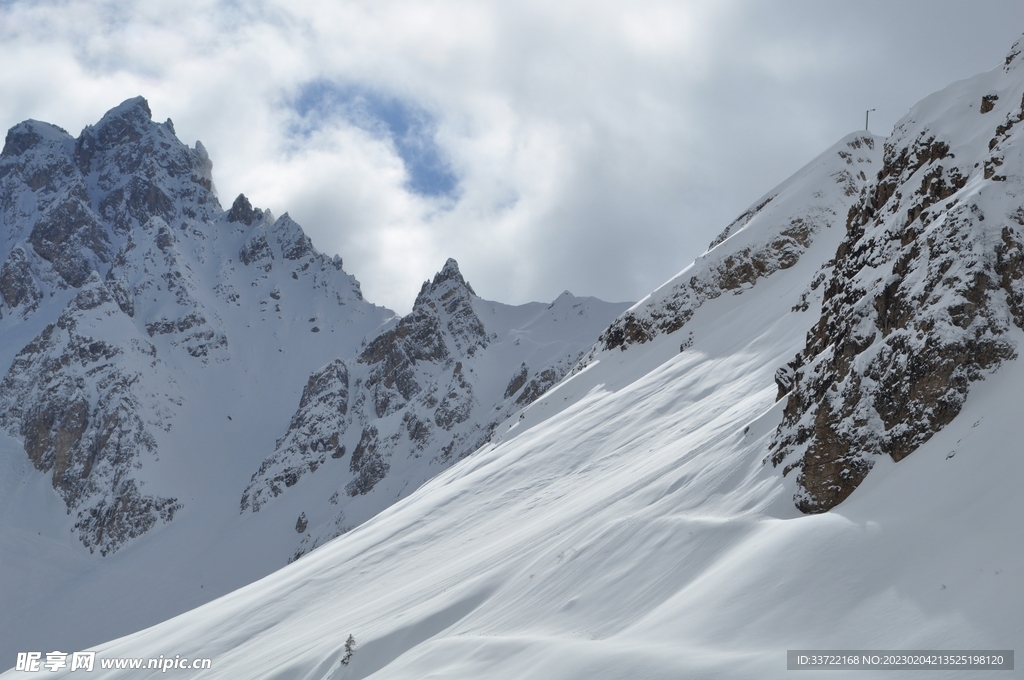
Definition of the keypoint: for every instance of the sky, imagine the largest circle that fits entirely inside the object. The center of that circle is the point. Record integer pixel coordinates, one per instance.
(595, 147)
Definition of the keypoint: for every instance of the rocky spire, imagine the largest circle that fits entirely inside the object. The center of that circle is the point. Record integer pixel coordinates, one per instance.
(242, 211)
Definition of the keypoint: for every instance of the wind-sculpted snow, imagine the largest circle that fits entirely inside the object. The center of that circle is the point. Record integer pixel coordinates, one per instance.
(771, 236)
(925, 290)
(627, 520)
(625, 525)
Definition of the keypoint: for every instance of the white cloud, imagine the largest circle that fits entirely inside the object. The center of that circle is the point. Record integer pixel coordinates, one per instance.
(598, 145)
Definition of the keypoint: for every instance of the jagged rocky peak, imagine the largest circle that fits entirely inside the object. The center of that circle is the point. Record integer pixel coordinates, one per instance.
(403, 369)
(29, 135)
(442, 315)
(295, 245)
(69, 204)
(126, 122)
(426, 391)
(449, 299)
(141, 169)
(442, 323)
(927, 284)
(122, 126)
(449, 273)
(123, 213)
(242, 211)
(447, 291)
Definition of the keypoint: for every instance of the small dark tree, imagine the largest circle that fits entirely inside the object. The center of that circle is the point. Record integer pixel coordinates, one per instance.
(350, 647)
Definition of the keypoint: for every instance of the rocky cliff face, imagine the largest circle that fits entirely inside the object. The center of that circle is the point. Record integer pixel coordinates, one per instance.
(925, 294)
(83, 393)
(162, 358)
(117, 252)
(919, 243)
(82, 397)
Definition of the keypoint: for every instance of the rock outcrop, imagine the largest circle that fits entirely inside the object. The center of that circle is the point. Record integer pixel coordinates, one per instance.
(924, 293)
(77, 395)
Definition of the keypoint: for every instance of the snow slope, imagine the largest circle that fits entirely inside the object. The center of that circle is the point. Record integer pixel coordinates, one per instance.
(419, 396)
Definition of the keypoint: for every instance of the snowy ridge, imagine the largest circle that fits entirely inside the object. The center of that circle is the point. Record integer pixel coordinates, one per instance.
(772, 235)
(629, 521)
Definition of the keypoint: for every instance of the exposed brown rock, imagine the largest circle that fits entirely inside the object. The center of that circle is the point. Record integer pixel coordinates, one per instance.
(911, 317)
(517, 381)
(367, 464)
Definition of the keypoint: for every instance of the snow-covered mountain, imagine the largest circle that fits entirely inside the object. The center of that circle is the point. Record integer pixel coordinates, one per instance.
(170, 367)
(421, 395)
(126, 292)
(847, 348)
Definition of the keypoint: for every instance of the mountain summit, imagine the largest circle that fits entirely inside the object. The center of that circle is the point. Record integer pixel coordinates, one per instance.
(120, 258)
(421, 395)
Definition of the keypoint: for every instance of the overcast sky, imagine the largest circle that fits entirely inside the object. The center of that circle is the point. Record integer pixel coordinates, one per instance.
(591, 146)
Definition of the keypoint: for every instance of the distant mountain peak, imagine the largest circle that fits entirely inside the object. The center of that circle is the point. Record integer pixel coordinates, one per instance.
(449, 273)
(28, 134)
(133, 107)
(124, 124)
(450, 270)
(242, 211)
(122, 213)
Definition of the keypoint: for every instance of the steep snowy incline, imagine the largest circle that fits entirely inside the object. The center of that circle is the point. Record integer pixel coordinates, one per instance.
(927, 286)
(637, 519)
(635, 531)
(792, 232)
(809, 209)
